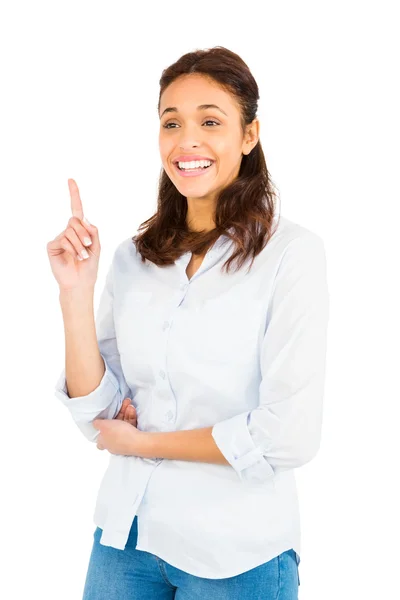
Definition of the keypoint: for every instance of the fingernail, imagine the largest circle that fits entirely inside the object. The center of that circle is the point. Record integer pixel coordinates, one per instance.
(86, 221)
(87, 241)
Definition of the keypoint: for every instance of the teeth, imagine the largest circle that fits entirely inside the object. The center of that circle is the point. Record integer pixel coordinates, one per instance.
(195, 164)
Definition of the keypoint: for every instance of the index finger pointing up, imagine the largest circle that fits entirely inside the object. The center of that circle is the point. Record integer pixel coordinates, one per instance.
(76, 203)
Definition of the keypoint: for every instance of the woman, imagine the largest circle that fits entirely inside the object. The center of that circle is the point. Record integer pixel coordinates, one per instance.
(225, 367)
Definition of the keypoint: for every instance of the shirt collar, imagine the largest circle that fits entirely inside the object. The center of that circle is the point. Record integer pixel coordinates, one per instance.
(218, 247)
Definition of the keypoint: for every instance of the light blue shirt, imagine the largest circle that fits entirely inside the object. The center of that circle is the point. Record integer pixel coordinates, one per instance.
(243, 352)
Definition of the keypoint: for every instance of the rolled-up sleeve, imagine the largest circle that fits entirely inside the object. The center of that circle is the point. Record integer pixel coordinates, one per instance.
(105, 401)
(284, 430)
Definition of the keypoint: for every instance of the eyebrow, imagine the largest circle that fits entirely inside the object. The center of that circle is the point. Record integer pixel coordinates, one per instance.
(201, 107)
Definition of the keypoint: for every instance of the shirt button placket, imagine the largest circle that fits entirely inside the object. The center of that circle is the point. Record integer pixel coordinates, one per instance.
(169, 414)
(166, 415)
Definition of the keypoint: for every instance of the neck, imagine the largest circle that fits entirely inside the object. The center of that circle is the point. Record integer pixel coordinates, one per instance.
(200, 214)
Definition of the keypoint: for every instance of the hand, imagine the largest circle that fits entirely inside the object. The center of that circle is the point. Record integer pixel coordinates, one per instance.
(69, 268)
(127, 412)
(119, 437)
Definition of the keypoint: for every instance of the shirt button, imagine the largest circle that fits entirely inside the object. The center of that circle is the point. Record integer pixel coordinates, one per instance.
(165, 325)
(162, 374)
(183, 286)
(169, 415)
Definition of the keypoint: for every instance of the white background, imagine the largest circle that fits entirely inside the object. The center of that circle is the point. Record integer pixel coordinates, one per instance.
(79, 99)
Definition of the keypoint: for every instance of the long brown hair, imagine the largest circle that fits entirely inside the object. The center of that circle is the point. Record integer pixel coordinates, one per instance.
(245, 207)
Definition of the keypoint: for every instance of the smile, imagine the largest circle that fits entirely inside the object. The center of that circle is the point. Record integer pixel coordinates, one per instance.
(193, 172)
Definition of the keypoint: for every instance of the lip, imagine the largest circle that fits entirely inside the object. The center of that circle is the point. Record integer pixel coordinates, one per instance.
(197, 173)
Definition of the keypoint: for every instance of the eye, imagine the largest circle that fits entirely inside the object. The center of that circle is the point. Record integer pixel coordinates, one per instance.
(208, 121)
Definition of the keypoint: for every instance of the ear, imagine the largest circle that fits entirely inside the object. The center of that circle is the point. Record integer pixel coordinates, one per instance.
(251, 137)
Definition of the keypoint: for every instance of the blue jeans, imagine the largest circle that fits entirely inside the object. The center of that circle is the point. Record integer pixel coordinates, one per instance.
(132, 574)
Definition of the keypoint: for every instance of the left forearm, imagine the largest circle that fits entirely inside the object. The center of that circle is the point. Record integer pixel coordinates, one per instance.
(193, 445)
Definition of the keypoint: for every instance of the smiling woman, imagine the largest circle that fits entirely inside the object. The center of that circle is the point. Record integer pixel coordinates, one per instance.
(196, 127)
(214, 179)
(225, 370)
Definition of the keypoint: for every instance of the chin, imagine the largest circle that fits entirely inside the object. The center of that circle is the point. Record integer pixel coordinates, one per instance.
(195, 192)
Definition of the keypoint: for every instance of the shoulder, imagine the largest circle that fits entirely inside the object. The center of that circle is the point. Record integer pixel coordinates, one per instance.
(125, 251)
(293, 249)
(288, 231)
(300, 256)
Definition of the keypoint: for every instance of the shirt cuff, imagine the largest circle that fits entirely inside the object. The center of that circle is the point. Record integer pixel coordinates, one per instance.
(98, 404)
(236, 444)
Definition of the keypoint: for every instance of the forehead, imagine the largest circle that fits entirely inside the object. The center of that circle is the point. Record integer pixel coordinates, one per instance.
(189, 91)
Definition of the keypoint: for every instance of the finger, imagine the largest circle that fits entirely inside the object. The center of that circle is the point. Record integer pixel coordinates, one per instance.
(68, 247)
(132, 416)
(82, 231)
(128, 414)
(60, 244)
(72, 236)
(122, 411)
(76, 203)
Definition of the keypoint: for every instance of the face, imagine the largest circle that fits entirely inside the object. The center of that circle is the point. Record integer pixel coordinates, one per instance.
(188, 131)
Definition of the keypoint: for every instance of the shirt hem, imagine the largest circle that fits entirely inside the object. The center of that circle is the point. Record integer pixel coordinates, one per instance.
(227, 571)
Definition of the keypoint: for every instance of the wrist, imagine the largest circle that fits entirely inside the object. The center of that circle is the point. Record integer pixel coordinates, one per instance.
(76, 302)
(70, 294)
(146, 445)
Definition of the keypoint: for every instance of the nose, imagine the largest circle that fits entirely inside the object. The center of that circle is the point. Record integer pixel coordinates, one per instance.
(188, 145)
(189, 138)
